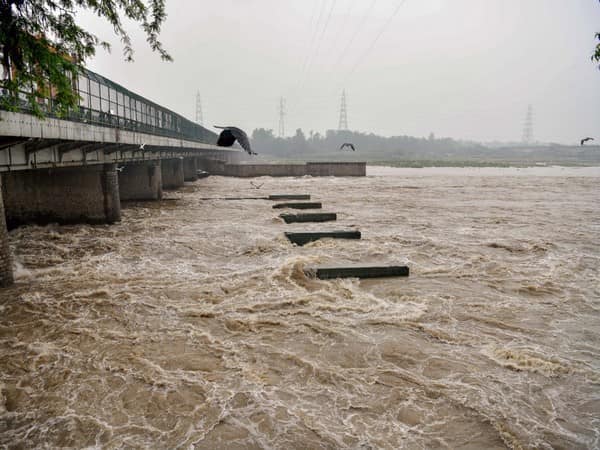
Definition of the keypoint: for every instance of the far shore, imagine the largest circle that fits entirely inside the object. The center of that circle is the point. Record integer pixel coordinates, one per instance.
(511, 171)
(422, 163)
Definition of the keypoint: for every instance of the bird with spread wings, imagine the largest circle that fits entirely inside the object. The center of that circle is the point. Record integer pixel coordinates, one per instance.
(584, 140)
(349, 145)
(230, 134)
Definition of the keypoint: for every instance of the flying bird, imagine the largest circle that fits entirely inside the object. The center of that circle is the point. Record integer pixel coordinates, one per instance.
(347, 144)
(142, 146)
(256, 186)
(230, 134)
(584, 140)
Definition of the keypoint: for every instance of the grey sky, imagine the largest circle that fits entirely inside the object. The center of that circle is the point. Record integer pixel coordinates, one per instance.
(459, 68)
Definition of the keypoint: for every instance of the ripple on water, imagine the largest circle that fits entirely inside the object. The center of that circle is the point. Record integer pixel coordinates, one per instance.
(192, 323)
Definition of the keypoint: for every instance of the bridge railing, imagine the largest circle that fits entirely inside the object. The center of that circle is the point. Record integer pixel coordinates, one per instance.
(106, 103)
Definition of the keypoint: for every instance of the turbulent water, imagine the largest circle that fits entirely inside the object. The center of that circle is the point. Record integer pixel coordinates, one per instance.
(191, 324)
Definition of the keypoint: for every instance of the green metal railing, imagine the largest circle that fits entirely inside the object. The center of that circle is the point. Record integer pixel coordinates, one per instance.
(106, 103)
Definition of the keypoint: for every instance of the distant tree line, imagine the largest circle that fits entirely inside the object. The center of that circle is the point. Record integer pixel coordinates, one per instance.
(373, 148)
(302, 146)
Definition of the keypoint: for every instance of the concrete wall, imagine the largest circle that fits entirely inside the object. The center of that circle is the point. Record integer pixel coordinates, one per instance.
(342, 169)
(140, 181)
(190, 169)
(65, 195)
(6, 275)
(172, 173)
(336, 169)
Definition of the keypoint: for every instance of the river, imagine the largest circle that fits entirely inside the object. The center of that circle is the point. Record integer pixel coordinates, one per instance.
(191, 323)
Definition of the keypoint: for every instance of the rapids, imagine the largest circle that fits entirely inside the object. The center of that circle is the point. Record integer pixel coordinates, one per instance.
(191, 324)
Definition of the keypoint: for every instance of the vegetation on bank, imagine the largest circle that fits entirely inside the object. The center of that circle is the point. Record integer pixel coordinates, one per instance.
(410, 151)
(445, 163)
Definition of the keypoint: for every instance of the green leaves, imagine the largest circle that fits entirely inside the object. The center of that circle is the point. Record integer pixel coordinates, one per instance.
(42, 48)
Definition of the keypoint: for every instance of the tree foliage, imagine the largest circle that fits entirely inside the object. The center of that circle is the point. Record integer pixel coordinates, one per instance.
(315, 146)
(43, 48)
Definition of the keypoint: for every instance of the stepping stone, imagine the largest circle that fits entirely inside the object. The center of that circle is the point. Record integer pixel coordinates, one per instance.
(308, 217)
(302, 205)
(289, 197)
(358, 271)
(302, 238)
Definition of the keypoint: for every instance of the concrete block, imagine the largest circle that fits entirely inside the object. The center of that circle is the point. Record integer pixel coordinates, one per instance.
(289, 197)
(302, 205)
(171, 171)
(308, 217)
(336, 169)
(6, 274)
(87, 194)
(301, 238)
(140, 181)
(190, 168)
(358, 271)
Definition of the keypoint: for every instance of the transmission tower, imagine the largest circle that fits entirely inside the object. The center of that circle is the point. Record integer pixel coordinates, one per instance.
(281, 117)
(343, 125)
(199, 118)
(528, 126)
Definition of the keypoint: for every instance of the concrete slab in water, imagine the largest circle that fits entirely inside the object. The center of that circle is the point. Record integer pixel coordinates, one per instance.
(301, 205)
(289, 197)
(301, 238)
(308, 217)
(358, 271)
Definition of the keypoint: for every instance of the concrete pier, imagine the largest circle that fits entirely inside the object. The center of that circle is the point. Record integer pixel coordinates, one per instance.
(289, 197)
(171, 171)
(301, 238)
(359, 271)
(140, 181)
(86, 194)
(308, 217)
(300, 205)
(190, 168)
(315, 169)
(6, 274)
(212, 166)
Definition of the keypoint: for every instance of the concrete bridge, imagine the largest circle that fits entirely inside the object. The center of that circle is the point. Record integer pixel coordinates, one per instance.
(77, 169)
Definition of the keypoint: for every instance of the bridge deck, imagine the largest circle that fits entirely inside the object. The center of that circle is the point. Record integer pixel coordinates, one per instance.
(27, 142)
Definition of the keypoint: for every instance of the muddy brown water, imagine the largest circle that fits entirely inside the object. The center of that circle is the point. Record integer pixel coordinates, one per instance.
(191, 324)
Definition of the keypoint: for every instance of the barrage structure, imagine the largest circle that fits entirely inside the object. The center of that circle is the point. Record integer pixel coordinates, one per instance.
(117, 145)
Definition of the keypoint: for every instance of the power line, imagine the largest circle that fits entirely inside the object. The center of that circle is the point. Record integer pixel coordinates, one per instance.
(357, 31)
(320, 40)
(381, 31)
(344, 23)
(313, 35)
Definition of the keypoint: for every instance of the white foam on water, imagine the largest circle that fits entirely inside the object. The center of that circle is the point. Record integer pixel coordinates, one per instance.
(192, 324)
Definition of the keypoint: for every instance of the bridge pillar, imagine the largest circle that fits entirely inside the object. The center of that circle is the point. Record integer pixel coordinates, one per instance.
(190, 168)
(140, 181)
(212, 166)
(6, 275)
(84, 194)
(172, 173)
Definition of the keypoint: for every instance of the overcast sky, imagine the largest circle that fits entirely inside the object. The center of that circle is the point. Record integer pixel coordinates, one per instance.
(465, 69)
